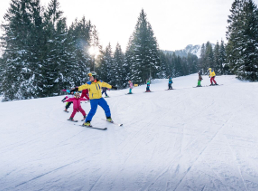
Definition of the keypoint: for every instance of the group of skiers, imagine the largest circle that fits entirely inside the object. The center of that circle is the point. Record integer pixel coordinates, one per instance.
(92, 91)
(211, 76)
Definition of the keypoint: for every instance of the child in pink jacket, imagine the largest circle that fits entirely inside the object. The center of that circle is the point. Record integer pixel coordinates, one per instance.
(76, 105)
(130, 86)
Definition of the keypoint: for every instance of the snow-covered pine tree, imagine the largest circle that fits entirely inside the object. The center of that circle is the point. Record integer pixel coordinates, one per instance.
(222, 58)
(242, 35)
(179, 70)
(192, 61)
(105, 65)
(164, 65)
(94, 45)
(202, 63)
(80, 35)
(22, 29)
(55, 30)
(118, 68)
(143, 50)
(216, 55)
(209, 57)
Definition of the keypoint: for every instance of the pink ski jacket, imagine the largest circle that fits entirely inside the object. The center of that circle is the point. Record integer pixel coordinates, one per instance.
(76, 102)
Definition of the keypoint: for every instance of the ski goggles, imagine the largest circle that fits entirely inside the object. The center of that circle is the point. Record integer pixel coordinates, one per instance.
(89, 74)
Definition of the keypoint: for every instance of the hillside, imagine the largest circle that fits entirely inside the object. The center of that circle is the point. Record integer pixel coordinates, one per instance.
(185, 139)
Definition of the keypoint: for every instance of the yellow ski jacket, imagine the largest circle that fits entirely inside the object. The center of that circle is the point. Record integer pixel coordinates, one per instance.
(212, 73)
(94, 88)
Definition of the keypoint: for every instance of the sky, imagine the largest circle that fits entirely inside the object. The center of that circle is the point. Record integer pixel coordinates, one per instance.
(176, 23)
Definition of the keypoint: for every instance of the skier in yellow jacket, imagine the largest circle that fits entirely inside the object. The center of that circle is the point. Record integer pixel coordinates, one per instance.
(94, 86)
(212, 77)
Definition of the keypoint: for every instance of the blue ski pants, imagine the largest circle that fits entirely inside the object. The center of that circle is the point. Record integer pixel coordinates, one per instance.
(94, 105)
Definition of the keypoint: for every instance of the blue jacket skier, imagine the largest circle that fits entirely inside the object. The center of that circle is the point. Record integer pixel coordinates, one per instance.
(170, 83)
(148, 86)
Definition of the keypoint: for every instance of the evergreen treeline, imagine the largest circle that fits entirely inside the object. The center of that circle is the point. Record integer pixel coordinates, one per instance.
(42, 55)
(213, 57)
(143, 59)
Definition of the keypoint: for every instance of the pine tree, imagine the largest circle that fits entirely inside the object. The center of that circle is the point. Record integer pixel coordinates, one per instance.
(80, 33)
(209, 58)
(118, 68)
(22, 27)
(202, 63)
(242, 38)
(143, 50)
(216, 56)
(164, 65)
(105, 68)
(222, 58)
(192, 61)
(55, 57)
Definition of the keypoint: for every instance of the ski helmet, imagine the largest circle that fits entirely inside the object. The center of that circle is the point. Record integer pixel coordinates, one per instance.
(209, 69)
(77, 94)
(94, 74)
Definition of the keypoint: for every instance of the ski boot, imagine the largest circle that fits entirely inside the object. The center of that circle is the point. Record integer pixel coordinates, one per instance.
(87, 124)
(71, 119)
(109, 119)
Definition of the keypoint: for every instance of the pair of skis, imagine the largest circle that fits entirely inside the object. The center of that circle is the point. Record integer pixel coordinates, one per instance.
(100, 128)
(207, 86)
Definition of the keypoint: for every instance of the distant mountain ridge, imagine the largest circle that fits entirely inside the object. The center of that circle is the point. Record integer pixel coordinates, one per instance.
(193, 49)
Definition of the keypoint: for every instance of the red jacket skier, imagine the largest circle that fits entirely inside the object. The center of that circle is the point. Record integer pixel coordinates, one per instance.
(85, 94)
(76, 105)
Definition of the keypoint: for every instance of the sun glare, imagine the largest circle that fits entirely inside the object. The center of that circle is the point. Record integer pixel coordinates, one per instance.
(94, 51)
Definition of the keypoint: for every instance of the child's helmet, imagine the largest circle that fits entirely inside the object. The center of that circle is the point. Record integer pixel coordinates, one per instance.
(209, 69)
(77, 94)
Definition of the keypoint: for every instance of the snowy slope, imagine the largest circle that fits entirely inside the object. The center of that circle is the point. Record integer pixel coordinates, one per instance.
(186, 139)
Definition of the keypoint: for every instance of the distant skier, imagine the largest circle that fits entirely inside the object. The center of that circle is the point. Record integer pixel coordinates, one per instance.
(94, 86)
(212, 77)
(104, 90)
(66, 97)
(199, 79)
(148, 86)
(170, 83)
(130, 86)
(76, 105)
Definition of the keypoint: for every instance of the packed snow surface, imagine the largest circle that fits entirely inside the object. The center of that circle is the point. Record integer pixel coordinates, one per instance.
(185, 139)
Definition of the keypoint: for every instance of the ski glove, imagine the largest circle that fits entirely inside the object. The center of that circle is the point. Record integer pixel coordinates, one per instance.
(113, 87)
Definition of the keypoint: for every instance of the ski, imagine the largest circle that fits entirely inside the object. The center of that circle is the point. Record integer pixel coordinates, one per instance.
(92, 127)
(200, 86)
(118, 124)
(72, 121)
(216, 85)
(66, 111)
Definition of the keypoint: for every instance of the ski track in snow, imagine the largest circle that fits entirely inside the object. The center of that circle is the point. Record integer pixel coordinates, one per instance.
(184, 139)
